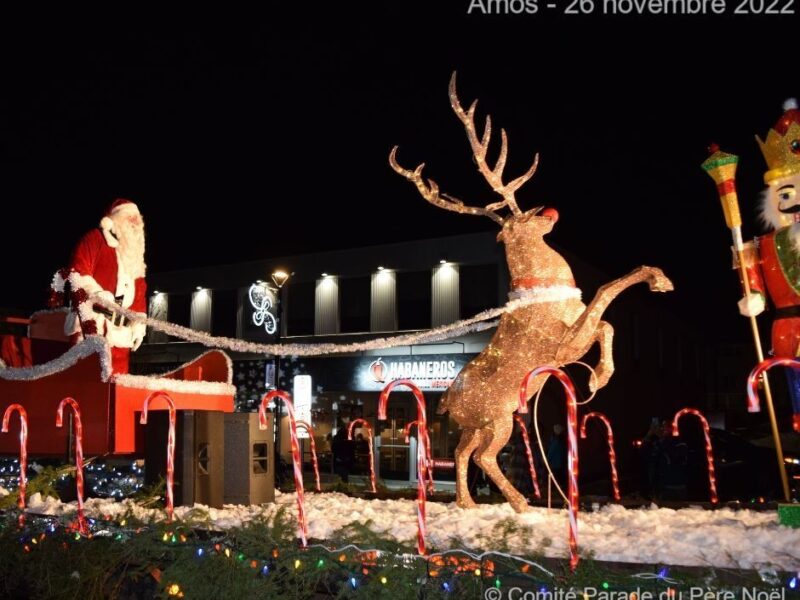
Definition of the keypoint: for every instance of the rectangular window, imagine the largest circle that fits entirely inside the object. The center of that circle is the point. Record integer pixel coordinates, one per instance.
(414, 300)
(354, 294)
(300, 308)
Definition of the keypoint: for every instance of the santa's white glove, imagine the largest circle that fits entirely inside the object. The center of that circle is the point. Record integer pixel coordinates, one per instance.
(752, 305)
(139, 331)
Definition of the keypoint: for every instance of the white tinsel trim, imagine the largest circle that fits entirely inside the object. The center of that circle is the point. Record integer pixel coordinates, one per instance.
(546, 293)
(480, 322)
(157, 382)
(91, 345)
(57, 285)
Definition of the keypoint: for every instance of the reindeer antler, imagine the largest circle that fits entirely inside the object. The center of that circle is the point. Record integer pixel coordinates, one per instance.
(481, 146)
(430, 191)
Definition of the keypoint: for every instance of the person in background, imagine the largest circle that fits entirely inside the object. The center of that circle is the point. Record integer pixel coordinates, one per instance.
(344, 453)
(557, 455)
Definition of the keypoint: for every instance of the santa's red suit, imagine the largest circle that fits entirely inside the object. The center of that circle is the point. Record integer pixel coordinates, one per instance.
(109, 262)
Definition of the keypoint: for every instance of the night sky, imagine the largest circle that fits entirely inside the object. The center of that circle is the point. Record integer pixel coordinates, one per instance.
(253, 136)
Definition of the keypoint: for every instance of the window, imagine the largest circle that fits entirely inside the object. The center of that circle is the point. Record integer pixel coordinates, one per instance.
(414, 300)
(354, 293)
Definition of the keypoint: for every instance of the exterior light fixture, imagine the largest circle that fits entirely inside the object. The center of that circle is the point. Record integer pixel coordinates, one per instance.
(380, 268)
(280, 277)
(199, 288)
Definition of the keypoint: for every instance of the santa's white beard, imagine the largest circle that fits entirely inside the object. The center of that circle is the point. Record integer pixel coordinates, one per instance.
(131, 247)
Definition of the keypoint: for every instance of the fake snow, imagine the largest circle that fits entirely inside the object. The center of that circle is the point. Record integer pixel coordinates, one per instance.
(691, 536)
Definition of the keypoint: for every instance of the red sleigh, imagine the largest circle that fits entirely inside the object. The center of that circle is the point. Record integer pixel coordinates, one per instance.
(109, 403)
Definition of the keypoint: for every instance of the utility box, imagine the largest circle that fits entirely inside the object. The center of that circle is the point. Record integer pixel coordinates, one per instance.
(249, 460)
(199, 455)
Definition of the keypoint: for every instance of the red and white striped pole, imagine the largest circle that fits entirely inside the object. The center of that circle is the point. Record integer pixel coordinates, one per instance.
(82, 527)
(314, 462)
(572, 446)
(170, 497)
(421, 459)
(366, 426)
(422, 438)
(524, 430)
(23, 454)
(712, 480)
(296, 459)
(612, 455)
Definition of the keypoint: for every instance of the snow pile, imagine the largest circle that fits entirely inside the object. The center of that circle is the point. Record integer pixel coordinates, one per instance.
(695, 537)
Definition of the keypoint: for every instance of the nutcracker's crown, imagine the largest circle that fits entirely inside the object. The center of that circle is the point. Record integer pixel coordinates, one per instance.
(782, 148)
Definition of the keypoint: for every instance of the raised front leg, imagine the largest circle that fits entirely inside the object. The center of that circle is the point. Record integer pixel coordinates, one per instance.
(605, 366)
(466, 446)
(582, 333)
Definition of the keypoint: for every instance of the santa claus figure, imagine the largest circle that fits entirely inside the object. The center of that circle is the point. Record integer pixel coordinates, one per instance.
(108, 263)
(773, 260)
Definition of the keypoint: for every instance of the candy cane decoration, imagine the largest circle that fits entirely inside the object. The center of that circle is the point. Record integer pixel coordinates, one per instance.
(82, 526)
(712, 480)
(296, 460)
(572, 439)
(421, 460)
(524, 430)
(170, 445)
(314, 462)
(612, 455)
(23, 454)
(753, 403)
(366, 426)
(422, 438)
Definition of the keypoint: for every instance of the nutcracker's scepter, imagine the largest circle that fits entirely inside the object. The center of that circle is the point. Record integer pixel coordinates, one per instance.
(721, 166)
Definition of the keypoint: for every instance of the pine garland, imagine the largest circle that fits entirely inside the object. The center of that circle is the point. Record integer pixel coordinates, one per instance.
(125, 559)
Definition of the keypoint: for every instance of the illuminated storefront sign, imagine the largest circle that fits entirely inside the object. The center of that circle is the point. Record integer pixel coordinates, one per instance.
(430, 372)
(301, 397)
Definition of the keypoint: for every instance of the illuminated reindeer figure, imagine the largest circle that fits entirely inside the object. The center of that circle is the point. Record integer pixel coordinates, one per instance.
(551, 327)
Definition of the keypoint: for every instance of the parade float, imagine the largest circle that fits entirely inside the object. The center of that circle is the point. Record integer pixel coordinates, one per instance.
(330, 543)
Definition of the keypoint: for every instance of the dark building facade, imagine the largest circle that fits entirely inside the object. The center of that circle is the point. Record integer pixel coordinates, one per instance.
(362, 294)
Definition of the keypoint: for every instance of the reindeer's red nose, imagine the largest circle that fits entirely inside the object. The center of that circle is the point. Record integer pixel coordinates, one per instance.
(550, 213)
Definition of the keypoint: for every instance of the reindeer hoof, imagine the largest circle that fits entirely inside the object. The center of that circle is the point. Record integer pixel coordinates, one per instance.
(601, 378)
(659, 282)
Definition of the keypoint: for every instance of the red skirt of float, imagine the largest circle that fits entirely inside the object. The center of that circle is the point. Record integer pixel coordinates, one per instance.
(109, 403)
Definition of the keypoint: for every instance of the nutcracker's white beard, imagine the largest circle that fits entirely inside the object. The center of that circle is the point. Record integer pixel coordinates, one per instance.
(131, 245)
(774, 219)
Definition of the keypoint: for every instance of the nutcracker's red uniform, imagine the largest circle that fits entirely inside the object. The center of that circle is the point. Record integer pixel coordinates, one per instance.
(776, 274)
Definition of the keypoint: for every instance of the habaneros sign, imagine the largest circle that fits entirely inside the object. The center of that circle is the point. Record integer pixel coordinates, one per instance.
(434, 372)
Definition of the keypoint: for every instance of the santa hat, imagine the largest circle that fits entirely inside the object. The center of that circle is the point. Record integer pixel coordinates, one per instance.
(120, 206)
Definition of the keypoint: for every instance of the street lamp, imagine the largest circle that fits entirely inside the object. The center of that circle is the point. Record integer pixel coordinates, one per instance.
(279, 278)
